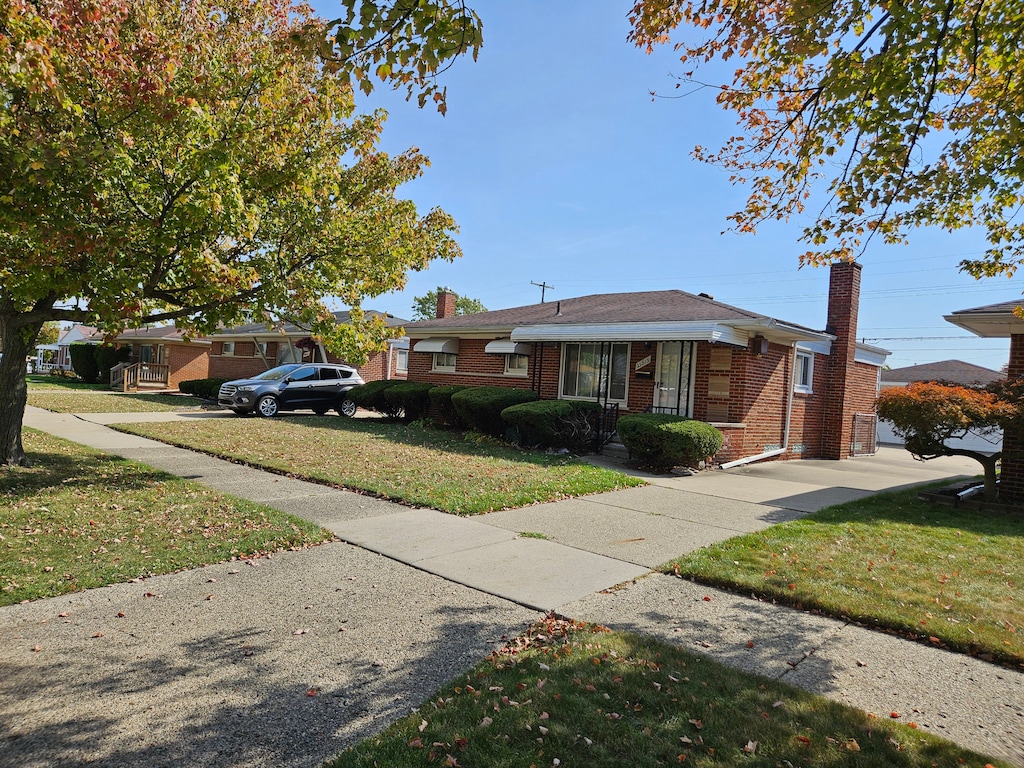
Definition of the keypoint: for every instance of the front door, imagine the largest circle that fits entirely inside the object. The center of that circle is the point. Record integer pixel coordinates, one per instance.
(671, 388)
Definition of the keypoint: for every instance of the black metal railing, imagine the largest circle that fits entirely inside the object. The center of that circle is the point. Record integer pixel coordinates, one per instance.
(606, 424)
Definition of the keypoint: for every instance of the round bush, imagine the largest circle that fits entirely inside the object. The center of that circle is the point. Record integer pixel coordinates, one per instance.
(556, 423)
(441, 404)
(207, 389)
(662, 441)
(411, 398)
(371, 396)
(479, 408)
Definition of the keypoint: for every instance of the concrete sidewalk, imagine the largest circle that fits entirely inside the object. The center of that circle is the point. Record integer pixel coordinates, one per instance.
(613, 540)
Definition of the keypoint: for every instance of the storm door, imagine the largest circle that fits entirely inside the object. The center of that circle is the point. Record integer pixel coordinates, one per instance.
(672, 386)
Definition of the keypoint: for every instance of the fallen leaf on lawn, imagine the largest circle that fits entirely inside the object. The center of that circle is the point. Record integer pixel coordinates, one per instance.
(912, 724)
(416, 743)
(686, 740)
(698, 724)
(450, 762)
(751, 747)
(851, 745)
(544, 715)
(544, 667)
(803, 740)
(423, 725)
(486, 722)
(541, 683)
(776, 704)
(543, 730)
(894, 715)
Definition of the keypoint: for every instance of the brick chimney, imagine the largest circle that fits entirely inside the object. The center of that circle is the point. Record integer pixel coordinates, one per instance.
(843, 307)
(445, 303)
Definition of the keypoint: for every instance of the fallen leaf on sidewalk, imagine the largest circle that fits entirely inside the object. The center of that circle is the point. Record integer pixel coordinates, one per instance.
(303, 631)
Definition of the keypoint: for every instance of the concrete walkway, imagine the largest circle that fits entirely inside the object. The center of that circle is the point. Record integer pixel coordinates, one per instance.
(591, 544)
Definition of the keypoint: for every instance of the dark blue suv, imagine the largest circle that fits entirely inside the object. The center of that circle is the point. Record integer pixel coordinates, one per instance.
(319, 387)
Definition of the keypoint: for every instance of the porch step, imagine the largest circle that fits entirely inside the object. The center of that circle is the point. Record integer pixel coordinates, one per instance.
(615, 449)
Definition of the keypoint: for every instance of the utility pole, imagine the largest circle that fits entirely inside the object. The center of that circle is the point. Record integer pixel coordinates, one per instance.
(543, 287)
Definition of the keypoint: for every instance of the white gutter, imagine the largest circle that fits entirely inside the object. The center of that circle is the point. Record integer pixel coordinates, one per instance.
(785, 428)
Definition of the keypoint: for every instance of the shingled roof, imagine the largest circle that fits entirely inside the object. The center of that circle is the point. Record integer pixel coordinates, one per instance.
(290, 329)
(954, 371)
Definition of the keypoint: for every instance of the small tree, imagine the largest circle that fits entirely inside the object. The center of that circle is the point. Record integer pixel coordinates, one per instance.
(928, 415)
(425, 307)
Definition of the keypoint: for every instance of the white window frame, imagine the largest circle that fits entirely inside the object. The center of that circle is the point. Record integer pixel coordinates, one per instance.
(261, 349)
(511, 369)
(444, 362)
(803, 372)
(227, 348)
(561, 373)
(401, 361)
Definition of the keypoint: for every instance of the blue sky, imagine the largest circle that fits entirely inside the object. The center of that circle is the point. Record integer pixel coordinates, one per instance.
(560, 168)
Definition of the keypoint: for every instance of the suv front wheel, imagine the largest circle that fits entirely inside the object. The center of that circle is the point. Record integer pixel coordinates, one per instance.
(346, 408)
(267, 406)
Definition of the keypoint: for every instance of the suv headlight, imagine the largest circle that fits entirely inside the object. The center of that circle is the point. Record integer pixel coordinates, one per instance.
(246, 388)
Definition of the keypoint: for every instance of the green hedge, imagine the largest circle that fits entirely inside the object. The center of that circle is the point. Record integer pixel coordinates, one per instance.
(479, 408)
(208, 389)
(441, 403)
(83, 361)
(412, 398)
(662, 441)
(107, 356)
(568, 424)
(371, 396)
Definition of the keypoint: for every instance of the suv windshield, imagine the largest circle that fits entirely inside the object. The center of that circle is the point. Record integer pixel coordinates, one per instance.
(278, 373)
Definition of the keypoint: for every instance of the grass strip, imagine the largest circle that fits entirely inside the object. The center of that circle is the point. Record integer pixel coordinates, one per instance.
(950, 577)
(109, 402)
(60, 383)
(568, 694)
(79, 518)
(416, 465)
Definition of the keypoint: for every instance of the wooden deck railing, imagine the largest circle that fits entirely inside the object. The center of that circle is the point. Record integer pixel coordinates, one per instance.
(128, 376)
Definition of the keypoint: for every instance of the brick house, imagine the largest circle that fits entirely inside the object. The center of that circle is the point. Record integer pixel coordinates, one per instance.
(247, 350)
(775, 389)
(1000, 321)
(169, 356)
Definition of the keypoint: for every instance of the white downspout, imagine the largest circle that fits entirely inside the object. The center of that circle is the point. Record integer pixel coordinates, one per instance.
(390, 351)
(785, 427)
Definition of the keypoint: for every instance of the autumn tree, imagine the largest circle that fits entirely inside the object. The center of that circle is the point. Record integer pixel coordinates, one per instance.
(425, 307)
(927, 416)
(884, 116)
(198, 161)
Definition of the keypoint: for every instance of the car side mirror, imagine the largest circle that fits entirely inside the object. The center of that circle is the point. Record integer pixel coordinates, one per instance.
(288, 379)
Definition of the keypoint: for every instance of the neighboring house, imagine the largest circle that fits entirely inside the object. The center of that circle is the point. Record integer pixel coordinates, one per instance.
(164, 356)
(775, 389)
(247, 350)
(1000, 321)
(57, 356)
(948, 372)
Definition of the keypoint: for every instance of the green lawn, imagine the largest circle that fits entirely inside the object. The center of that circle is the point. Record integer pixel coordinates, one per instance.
(950, 577)
(79, 519)
(109, 402)
(577, 695)
(60, 383)
(423, 467)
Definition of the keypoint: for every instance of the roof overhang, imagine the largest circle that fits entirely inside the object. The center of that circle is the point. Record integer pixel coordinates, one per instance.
(507, 347)
(437, 344)
(681, 331)
(988, 325)
(869, 355)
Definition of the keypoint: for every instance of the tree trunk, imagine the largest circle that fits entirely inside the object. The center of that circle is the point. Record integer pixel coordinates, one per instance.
(13, 390)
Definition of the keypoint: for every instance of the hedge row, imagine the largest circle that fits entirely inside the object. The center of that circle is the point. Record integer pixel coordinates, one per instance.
(208, 389)
(662, 441)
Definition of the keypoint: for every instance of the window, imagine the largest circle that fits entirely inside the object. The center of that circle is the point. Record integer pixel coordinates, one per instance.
(444, 361)
(517, 365)
(328, 374)
(402, 361)
(591, 371)
(262, 348)
(227, 348)
(803, 374)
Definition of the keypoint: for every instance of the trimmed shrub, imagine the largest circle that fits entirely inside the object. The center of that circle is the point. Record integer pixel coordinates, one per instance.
(412, 398)
(568, 424)
(208, 389)
(663, 441)
(371, 396)
(441, 403)
(480, 408)
(107, 356)
(83, 361)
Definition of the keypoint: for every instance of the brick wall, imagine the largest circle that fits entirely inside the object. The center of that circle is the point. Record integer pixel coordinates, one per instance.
(1011, 476)
(843, 308)
(241, 366)
(476, 368)
(186, 362)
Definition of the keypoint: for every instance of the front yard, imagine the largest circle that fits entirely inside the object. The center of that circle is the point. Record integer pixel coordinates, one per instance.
(951, 577)
(64, 401)
(410, 464)
(79, 519)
